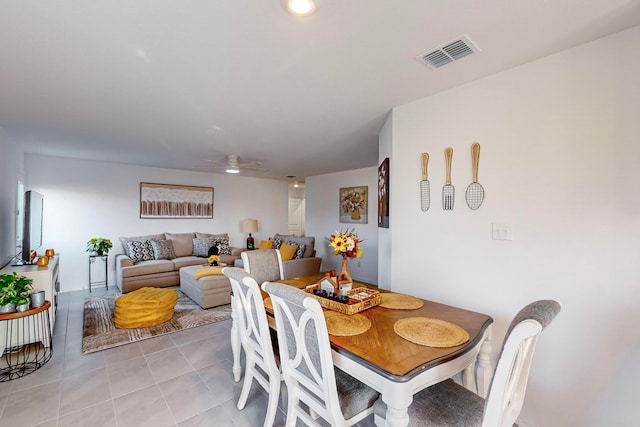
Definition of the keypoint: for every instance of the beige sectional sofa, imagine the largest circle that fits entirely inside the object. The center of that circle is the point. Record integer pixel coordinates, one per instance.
(137, 267)
(307, 265)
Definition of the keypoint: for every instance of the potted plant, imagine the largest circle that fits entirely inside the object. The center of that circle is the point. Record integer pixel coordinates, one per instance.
(99, 245)
(14, 291)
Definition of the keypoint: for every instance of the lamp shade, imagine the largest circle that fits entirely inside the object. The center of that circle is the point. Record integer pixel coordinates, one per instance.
(249, 225)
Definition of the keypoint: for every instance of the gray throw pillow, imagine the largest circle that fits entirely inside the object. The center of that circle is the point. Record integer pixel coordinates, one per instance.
(162, 249)
(201, 246)
(140, 250)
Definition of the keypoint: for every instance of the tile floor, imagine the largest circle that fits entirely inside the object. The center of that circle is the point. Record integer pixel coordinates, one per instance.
(182, 379)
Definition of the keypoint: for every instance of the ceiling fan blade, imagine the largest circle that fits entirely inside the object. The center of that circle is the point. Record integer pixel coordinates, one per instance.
(255, 166)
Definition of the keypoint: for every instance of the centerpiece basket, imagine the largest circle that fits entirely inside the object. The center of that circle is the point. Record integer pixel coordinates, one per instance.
(360, 299)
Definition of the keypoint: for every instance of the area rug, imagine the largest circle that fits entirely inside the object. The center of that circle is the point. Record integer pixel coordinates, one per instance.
(99, 332)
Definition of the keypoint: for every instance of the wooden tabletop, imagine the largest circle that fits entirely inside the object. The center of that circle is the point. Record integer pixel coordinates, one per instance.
(387, 353)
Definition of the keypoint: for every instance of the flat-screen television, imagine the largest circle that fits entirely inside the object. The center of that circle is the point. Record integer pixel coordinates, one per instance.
(32, 227)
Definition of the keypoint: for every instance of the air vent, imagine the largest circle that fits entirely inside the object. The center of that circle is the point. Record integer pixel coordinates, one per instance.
(452, 51)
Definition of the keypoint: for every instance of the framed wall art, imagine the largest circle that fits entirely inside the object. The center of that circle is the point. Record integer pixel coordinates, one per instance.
(354, 204)
(383, 194)
(175, 201)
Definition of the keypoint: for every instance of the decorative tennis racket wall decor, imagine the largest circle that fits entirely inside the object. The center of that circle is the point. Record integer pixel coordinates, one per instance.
(474, 195)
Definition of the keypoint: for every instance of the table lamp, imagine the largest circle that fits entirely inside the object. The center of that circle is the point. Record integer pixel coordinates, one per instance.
(250, 226)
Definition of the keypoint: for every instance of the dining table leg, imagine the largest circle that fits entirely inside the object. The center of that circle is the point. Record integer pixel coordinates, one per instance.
(235, 342)
(484, 365)
(397, 405)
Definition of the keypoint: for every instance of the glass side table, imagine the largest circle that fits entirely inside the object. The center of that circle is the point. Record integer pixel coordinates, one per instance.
(105, 259)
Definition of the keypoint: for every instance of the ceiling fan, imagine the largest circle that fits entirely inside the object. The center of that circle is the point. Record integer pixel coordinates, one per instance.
(234, 166)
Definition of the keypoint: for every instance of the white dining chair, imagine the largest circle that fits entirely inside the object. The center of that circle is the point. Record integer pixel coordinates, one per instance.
(255, 339)
(307, 365)
(263, 265)
(450, 404)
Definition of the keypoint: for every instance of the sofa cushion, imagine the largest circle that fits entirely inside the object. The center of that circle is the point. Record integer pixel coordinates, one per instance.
(162, 249)
(182, 243)
(287, 251)
(309, 242)
(124, 240)
(186, 261)
(201, 246)
(148, 267)
(228, 259)
(140, 250)
(266, 244)
(217, 236)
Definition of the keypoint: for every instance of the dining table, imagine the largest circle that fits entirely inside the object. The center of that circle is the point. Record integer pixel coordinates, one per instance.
(396, 367)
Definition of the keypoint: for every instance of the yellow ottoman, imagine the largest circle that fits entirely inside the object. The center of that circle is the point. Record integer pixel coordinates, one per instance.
(144, 307)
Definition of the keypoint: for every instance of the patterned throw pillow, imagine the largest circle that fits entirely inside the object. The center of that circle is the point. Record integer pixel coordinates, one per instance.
(300, 251)
(201, 246)
(162, 249)
(223, 246)
(277, 243)
(140, 250)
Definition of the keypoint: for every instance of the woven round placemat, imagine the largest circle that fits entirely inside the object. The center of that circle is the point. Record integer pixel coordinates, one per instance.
(400, 301)
(267, 303)
(343, 325)
(431, 332)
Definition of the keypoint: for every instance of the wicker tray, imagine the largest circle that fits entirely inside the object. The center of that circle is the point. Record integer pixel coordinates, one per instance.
(360, 299)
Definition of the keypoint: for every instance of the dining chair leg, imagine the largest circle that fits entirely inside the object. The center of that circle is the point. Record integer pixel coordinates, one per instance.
(292, 403)
(272, 408)
(248, 379)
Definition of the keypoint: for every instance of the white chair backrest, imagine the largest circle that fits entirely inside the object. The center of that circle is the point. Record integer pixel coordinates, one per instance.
(509, 382)
(252, 319)
(305, 352)
(263, 265)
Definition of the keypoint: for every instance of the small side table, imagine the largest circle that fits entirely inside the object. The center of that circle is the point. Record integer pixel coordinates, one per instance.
(105, 259)
(27, 344)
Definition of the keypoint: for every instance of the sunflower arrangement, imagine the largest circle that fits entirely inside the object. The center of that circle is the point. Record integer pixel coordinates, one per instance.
(345, 244)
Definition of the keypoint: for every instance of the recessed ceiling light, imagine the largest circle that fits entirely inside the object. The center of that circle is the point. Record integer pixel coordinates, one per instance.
(300, 7)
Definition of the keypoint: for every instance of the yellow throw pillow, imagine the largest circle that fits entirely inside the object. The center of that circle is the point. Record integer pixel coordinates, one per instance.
(266, 244)
(208, 271)
(288, 251)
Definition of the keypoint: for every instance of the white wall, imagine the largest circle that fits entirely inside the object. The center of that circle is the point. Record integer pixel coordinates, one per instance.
(559, 163)
(85, 199)
(322, 220)
(11, 169)
(385, 145)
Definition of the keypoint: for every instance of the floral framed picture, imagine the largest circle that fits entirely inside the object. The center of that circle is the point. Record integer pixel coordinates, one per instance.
(383, 194)
(354, 204)
(175, 201)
